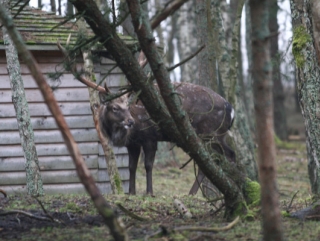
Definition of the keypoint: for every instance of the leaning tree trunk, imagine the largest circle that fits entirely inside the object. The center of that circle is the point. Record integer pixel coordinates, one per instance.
(110, 217)
(34, 181)
(183, 134)
(262, 90)
(306, 51)
(280, 120)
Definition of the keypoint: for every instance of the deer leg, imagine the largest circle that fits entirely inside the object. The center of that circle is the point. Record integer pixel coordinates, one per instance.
(149, 149)
(134, 152)
(195, 187)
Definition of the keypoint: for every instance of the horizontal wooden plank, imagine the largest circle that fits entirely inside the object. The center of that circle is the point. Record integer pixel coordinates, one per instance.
(46, 123)
(50, 136)
(66, 81)
(41, 109)
(61, 94)
(104, 177)
(115, 80)
(46, 163)
(49, 150)
(121, 159)
(116, 150)
(74, 188)
(55, 177)
(45, 68)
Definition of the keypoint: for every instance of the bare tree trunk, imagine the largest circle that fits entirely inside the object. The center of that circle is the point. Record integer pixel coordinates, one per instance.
(112, 169)
(127, 22)
(241, 132)
(116, 227)
(249, 92)
(206, 73)
(280, 120)
(306, 30)
(34, 181)
(187, 42)
(53, 6)
(262, 87)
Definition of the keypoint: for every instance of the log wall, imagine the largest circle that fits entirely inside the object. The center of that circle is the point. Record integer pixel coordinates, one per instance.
(57, 169)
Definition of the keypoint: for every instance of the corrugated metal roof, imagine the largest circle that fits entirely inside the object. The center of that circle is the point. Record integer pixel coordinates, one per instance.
(41, 29)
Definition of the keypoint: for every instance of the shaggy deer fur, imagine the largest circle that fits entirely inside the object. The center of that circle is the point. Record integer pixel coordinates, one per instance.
(130, 125)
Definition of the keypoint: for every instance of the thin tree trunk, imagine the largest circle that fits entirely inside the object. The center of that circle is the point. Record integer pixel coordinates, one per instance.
(241, 132)
(187, 41)
(206, 76)
(112, 169)
(34, 181)
(305, 15)
(249, 92)
(53, 6)
(280, 120)
(262, 87)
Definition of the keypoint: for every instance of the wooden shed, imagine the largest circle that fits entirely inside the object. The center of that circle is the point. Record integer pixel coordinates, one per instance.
(57, 169)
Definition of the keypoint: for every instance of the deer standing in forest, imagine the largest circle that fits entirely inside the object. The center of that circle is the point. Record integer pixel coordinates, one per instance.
(129, 125)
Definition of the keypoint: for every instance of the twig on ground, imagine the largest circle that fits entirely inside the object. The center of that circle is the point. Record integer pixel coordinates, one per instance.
(28, 215)
(290, 204)
(206, 229)
(216, 199)
(165, 231)
(131, 214)
(43, 209)
(219, 209)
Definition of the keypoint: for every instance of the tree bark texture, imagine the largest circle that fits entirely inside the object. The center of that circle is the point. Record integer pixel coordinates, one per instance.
(116, 227)
(185, 137)
(241, 132)
(187, 41)
(305, 14)
(34, 181)
(249, 92)
(262, 87)
(206, 74)
(279, 113)
(112, 169)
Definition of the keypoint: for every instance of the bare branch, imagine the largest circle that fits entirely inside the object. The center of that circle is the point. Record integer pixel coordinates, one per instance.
(186, 59)
(169, 9)
(30, 215)
(79, 77)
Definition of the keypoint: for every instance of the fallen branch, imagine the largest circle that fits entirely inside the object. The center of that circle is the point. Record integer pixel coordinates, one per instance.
(165, 231)
(290, 204)
(30, 215)
(205, 229)
(44, 210)
(131, 214)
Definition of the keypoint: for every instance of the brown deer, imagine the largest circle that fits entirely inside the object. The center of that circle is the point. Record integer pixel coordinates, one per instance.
(130, 126)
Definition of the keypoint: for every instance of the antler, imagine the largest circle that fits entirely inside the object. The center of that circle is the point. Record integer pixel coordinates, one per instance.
(82, 79)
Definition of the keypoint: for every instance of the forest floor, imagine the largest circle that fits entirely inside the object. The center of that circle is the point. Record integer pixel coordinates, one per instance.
(80, 221)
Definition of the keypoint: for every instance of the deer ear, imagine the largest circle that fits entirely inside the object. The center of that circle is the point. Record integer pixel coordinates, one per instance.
(103, 98)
